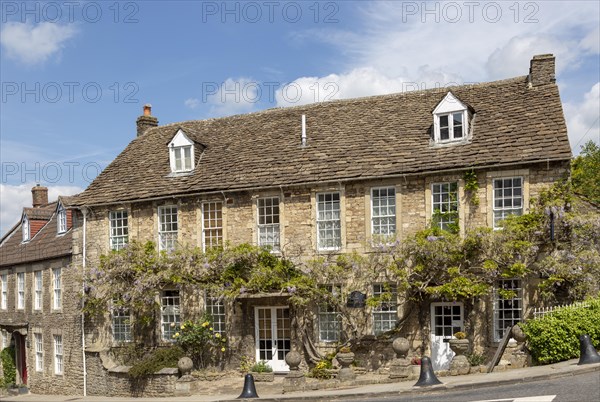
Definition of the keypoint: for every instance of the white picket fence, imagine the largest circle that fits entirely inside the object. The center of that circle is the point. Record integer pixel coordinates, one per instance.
(539, 312)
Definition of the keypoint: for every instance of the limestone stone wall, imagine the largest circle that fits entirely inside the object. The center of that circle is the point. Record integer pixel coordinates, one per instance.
(115, 382)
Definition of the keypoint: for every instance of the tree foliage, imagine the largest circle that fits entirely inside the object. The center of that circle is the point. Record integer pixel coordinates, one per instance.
(585, 171)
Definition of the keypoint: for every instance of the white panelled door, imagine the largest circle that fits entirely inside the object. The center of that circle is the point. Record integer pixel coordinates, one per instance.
(273, 336)
(446, 319)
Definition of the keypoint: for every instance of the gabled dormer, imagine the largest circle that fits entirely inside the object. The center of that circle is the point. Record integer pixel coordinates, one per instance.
(25, 229)
(450, 120)
(61, 219)
(181, 153)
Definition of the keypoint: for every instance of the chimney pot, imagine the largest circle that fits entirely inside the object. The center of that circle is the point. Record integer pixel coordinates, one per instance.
(39, 195)
(542, 70)
(146, 121)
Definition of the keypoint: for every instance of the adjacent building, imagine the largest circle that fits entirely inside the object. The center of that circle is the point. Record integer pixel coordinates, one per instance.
(40, 306)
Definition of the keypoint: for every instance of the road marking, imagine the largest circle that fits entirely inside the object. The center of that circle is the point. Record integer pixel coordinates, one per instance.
(540, 398)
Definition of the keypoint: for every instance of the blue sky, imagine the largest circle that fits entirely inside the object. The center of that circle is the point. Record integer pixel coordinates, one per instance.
(76, 74)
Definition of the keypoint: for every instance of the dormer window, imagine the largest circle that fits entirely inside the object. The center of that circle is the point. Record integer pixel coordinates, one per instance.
(181, 153)
(450, 120)
(25, 229)
(61, 219)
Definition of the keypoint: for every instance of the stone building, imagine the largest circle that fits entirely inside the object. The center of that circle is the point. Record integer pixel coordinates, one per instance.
(40, 307)
(331, 178)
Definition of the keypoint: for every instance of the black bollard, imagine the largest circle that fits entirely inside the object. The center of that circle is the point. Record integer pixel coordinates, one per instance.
(427, 376)
(588, 353)
(249, 390)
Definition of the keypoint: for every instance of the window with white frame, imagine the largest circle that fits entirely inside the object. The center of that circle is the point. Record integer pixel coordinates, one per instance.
(215, 308)
(4, 291)
(385, 314)
(167, 227)
(212, 225)
(329, 229)
(450, 120)
(58, 355)
(383, 213)
(20, 290)
(508, 198)
(25, 228)
(119, 229)
(181, 153)
(57, 288)
(37, 290)
(170, 314)
(39, 352)
(444, 205)
(330, 320)
(121, 323)
(61, 219)
(268, 222)
(508, 306)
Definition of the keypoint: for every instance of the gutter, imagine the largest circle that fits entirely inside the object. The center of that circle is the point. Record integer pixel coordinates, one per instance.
(85, 212)
(321, 182)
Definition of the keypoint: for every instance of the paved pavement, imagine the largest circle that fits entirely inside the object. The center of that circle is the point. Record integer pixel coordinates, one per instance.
(471, 381)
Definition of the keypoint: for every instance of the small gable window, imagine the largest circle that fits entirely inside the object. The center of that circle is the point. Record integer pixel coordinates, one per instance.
(25, 229)
(61, 219)
(181, 153)
(450, 120)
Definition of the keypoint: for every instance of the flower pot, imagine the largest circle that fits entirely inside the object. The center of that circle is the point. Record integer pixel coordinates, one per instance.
(345, 359)
(263, 377)
(459, 346)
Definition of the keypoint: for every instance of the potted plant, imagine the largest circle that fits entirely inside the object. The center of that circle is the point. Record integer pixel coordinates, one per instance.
(459, 344)
(345, 357)
(262, 372)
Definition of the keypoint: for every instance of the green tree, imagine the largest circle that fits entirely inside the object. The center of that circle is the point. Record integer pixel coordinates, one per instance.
(585, 172)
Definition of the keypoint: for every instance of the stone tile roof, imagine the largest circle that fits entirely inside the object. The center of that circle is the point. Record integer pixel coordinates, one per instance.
(45, 244)
(373, 137)
(43, 213)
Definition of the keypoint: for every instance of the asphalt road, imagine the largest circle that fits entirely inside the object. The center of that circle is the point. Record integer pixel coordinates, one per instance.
(578, 388)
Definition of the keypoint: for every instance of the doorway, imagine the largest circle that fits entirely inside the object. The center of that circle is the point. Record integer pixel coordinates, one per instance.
(272, 336)
(447, 318)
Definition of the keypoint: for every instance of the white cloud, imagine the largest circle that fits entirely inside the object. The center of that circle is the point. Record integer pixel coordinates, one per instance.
(34, 43)
(583, 119)
(13, 198)
(513, 58)
(234, 96)
(365, 81)
(192, 103)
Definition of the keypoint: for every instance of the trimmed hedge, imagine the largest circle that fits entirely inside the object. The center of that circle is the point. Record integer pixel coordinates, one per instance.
(7, 356)
(555, 337)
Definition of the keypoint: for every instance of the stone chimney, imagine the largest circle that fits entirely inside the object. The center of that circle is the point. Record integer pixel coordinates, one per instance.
(146, 121)
(39, 196)
(542, 70)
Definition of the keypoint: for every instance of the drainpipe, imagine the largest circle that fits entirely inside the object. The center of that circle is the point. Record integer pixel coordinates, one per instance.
(84, 211)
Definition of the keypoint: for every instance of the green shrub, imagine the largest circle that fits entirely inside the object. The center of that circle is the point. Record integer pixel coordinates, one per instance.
(156, 360)
(322, 369)
(475, 359)
(261, 367)
(555, 337)
(7, 356)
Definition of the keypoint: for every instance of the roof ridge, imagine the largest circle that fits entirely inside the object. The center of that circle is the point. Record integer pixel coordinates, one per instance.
(343, 101)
